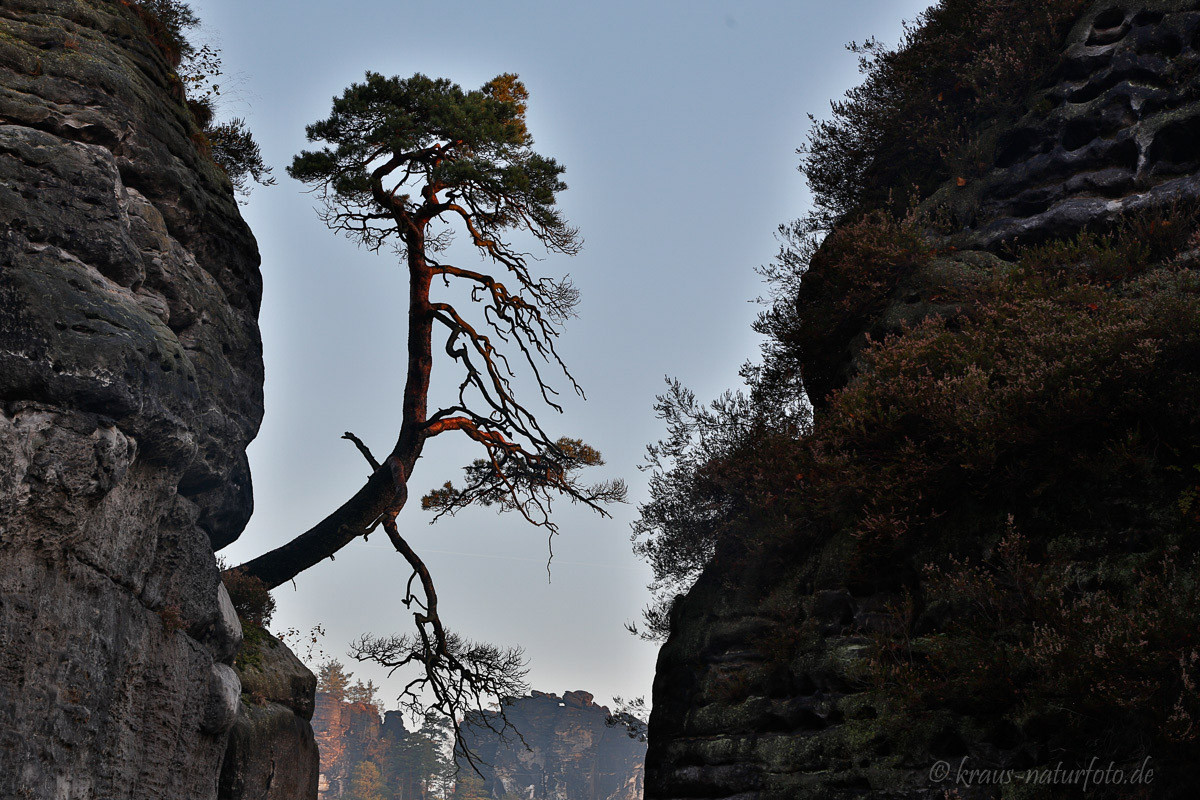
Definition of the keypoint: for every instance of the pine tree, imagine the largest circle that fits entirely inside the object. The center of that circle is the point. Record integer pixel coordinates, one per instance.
(401, 164)
(333, 679)
(365, 783)
(470, 786)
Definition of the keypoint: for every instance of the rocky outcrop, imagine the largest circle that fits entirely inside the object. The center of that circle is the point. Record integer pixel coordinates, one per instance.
(1113, 132)
(576, 750)
(572, 750)
(130, 385)
(755, 694)
(272, 754)
(347, 734)
(761, 690)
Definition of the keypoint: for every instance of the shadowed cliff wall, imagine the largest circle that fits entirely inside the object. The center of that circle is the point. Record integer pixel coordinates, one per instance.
(770, 685)
(130, 385)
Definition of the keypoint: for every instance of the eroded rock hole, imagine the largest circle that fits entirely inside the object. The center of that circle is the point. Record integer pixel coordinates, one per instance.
(1079, 132)
(1163, 44)
(1176, 143)
(1123, 154)
(1089, 92)
(1015, 146)
(1109, 19)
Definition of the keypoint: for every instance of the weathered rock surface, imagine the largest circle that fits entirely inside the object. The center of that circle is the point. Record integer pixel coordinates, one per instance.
(754, 694)
(1114, 131)
(573, 752)
(272, 753)
(130, 385)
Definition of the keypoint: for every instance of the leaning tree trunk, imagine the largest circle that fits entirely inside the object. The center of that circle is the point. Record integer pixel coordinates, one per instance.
(386, 491)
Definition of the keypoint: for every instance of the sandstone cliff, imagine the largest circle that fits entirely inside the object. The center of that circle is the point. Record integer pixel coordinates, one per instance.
(972, 483)
(573, 752)
(130, 385)
(272, 753)
(347, 734)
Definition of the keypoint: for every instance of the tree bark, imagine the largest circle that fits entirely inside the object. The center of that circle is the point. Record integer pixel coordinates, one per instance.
(353, 518)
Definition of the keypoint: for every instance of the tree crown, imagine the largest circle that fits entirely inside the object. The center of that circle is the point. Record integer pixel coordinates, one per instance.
(390, 137)
(333, 679)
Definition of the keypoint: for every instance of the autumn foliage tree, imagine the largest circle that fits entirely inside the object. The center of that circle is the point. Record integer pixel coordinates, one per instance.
(405, 162)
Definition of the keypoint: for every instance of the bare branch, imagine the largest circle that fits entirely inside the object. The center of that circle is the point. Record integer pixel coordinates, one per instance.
(362, 448)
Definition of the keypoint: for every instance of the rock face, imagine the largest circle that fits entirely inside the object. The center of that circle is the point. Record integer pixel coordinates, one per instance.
(272, 754)
(1115, 131)
(712, 735)
(573, 752)
(130, 385)
(758, 691)
(347, 734)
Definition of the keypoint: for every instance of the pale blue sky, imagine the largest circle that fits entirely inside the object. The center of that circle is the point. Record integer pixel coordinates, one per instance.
(677, 123)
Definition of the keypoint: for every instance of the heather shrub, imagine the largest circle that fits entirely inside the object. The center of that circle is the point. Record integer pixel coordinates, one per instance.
(1056, 386)
(923, 115)
(848, 282)
(1061, 402)
(1099, 657)
(1017, 393)
(167, 21)
(250, 597)
(1121, 250)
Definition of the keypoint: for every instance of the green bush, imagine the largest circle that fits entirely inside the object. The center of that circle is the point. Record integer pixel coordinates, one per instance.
(235, 151)
(168, 21)
(847, 284)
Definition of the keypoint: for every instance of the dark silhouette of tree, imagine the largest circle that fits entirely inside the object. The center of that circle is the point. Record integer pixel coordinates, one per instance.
(407, 161)
(418, 764)
(469, 786)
